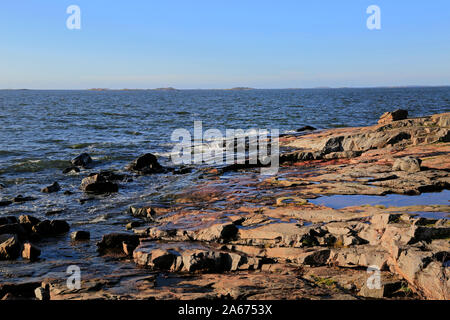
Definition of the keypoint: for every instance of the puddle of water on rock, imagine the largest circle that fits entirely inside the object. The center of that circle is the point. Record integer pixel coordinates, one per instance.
(431, 215)
(397, 200)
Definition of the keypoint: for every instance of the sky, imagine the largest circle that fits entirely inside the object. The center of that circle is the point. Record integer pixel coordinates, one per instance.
(223, 44)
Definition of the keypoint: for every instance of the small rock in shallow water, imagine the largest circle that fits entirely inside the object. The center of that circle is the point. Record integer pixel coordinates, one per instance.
(83, 160)
(27, 219)
(71, 169)
(80, 235)
(8, 220)
(145, 164)
(132, 225)
(53, 188)
(5, 203)
(21, 198)
(97, 183)
(9, 247)
(30, 252)
(114, 242)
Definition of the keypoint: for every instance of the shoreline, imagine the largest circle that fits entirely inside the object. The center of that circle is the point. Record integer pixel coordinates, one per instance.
(245, 236)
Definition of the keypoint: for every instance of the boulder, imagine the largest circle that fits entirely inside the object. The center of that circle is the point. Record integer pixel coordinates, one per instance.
(9, 247)
(98, 183)
(30, 252)
(8, 220)
(52, 188)
(49, 228)
(113, 242)
(396, 115)
(80, 235)
(20, 199)
(42, 293)
(145, 164)
(71, 169)
(305, 128)
(83, 160)
(4, 203)
(386, 290)
(27, 219)
(408, 164)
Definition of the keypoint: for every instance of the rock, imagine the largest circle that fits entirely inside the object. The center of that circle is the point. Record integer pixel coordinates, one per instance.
(98, 183)
(20, 199)
(9, 247)
(8, 220)
(396, 115)
(71, 169)
(83, 160)
(14, 228)
(43, 228)
(48, 228)
(23, 290)
(359, 256)
(408, 164)
(4, 203)
(132, 225)
(386, 290)
(80, 235)
(305, 128)
(188, 257)
(42, 294)
(53, 188)
(59, 226)
(145, 164)
(149, 213)
(27, 219)
(114, 242)
(30, 251)
(128, 248)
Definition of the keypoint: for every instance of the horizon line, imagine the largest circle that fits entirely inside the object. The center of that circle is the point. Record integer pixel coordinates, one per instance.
(238, 88)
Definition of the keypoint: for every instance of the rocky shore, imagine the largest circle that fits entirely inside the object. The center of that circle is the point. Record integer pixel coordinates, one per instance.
(266, 237)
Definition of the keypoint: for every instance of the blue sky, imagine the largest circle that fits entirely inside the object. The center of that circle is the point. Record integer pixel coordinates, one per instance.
(222, 44)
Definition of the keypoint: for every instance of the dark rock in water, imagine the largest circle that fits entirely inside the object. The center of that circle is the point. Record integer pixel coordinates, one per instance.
(396, 115)
(43, 228)
(27, 219)
(98, 183)
(27, 222)
(83, 160)
(306, 128)
(30, 252)
(14, 228)
(20, 199)
(53, 188)
(9, 247)
(132, 225)
(67, 193)
(5, 203)
(114, 242)
(80, 235)
(408, 164)
(49, 228)
(71, 169)
(8, 220)
(145, 164)
(59, 226)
